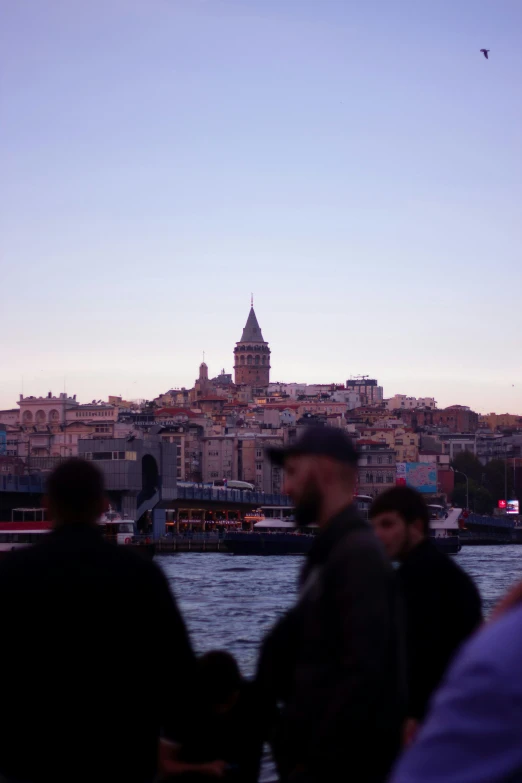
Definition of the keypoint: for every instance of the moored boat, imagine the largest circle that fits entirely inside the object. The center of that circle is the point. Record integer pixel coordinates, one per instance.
(275, 540)
(122, 532)
(444, 528)
(279, 535)
(28, 525)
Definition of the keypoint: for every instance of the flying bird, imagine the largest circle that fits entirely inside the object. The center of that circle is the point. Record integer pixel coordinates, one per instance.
(485, 53)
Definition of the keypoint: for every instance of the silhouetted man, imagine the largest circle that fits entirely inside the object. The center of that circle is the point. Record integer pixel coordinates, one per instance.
(88, 631)
(334, 661)
(442, 604)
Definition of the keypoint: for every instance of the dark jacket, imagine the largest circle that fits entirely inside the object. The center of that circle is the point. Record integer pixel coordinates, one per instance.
(335, 661)
(95, 661)
(234, 737)
(443, 609)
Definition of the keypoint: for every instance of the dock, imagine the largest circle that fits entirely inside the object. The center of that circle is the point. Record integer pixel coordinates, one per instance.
(199, 543)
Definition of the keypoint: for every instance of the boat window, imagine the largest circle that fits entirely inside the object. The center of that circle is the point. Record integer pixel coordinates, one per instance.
(16, 538)
(126, 527)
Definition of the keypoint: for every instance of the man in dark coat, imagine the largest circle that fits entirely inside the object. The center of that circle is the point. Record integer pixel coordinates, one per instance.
(442, 604)
(335, 660)
(89, 630)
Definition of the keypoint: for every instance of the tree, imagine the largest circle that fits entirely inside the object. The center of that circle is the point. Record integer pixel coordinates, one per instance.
(480, 500)
(458, 496)
(468, 464)
(483, 502)
(495, 479)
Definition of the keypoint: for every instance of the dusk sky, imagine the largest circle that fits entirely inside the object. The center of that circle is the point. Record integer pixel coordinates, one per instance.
(355, 163)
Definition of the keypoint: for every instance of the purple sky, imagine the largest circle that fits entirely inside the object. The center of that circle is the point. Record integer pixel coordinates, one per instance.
(355, 164)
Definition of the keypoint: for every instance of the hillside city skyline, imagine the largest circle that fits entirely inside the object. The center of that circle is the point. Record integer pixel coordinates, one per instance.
(221, 427)
(371, 206)
(38, 386)
(250, 379)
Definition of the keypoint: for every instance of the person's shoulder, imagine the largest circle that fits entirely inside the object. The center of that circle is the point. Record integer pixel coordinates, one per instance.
(496, 647)
(129, 559)
(360, 538)
(360, 547)
(428, 560)
(452, 570)
(20, 562)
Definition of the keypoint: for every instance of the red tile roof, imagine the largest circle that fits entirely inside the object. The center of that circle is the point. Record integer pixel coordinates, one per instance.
(176, 412)
(369, 442)
(388, 429)
(281, 406)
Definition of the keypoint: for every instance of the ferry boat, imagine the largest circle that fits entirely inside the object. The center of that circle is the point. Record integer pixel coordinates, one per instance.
(120, 530)
(28, 525)
(275, 533)
(444, 528)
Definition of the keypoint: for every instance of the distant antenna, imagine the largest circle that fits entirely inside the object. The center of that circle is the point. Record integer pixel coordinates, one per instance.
(203, 355)
(251, 300)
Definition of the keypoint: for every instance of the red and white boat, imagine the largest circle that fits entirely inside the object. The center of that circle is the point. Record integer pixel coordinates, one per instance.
(27, 526)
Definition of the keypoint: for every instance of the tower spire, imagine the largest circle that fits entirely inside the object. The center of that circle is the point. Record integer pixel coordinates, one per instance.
(252, 354)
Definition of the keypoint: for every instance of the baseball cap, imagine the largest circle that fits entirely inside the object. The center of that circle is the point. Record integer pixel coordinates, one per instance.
(318, 441)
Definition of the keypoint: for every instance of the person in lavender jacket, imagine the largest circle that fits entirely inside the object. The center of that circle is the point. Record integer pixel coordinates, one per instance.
(473, 731)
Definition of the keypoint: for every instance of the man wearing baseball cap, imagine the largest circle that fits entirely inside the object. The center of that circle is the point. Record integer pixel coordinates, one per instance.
(335, 660)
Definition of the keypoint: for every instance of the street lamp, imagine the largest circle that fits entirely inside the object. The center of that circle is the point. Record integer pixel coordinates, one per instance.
(467, 486)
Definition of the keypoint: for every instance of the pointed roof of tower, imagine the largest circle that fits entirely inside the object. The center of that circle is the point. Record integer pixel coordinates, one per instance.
(252, 330)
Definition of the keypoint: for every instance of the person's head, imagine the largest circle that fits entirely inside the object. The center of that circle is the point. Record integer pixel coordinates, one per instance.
(220, 680)
(401, 520)
(320, 473)
(75, 493)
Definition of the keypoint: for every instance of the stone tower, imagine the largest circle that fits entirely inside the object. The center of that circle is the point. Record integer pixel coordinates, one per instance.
(202, 384)
(252, 355)
(203, 373)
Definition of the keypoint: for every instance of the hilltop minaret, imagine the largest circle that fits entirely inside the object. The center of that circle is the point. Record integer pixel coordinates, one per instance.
(252, 355)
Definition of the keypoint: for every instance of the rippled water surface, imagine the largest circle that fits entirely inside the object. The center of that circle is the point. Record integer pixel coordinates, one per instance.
(231, 601)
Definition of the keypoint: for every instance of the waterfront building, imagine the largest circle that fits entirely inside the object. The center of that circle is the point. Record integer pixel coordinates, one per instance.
(377, 467)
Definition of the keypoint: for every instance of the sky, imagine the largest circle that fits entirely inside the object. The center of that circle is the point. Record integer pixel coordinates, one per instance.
(356, 165)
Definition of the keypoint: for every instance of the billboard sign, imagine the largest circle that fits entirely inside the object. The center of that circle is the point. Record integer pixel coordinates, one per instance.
(513, 507)
(502, 504)
(421, 476)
